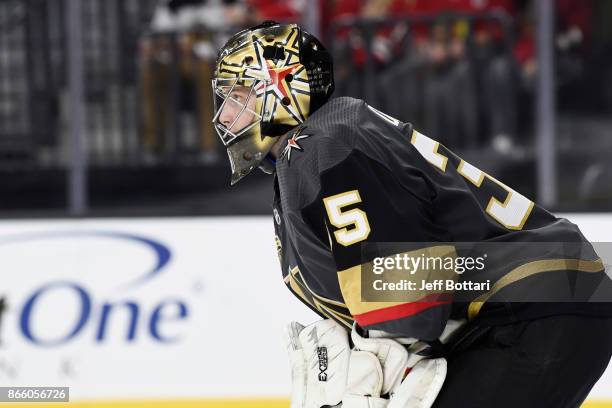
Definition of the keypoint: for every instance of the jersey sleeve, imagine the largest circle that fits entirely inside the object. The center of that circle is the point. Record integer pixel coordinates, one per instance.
(363, 181)
(363, 205)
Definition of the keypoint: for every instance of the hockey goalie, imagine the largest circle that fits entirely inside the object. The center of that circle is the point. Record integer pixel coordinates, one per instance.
(348, 180)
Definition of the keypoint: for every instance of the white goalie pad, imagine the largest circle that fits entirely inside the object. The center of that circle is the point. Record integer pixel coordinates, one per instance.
(418, 389)
(326, 372)
(319, 356)
(421, 386)
(393, 358)
(365, 382)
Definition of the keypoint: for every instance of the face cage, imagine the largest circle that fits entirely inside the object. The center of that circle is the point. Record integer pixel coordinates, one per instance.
(227, 136)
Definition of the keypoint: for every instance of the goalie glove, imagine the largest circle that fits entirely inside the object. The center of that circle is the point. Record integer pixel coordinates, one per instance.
(319, 356)
(376, 367)
(410, 380)
(326, 372)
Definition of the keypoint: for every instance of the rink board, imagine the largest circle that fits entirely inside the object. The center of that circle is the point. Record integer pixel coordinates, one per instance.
(211, 404)
(156, 312)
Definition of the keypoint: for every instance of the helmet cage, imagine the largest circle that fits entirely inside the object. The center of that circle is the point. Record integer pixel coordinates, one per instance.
(285, 74)
(222, 93)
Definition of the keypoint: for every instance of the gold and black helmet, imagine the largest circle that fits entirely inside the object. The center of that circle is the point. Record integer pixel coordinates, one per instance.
(268, 79)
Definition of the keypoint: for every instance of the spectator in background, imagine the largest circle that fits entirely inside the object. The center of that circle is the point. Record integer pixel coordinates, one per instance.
(493, 65)
(573, 42)
(420, 79)
(490, 67)
(282, 11)
(452, 57)
(183, 40)
(573, 29)
(433, 73)
(177, 58)
(347, 45)
(185, 15)
(360, 48)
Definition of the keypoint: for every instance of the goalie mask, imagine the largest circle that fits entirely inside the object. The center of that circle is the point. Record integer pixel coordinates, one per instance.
(268, 79)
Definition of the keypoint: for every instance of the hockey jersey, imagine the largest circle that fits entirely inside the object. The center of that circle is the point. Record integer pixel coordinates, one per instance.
(351, 177)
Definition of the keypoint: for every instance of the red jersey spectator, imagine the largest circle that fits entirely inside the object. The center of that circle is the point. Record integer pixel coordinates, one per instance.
(277, 10)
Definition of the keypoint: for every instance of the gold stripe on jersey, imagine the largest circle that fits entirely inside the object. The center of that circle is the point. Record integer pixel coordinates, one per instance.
(530, 269)
(333, 309)
(351, 281)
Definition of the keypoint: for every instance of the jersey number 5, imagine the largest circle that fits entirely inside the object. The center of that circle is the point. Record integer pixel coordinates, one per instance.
(353, 223)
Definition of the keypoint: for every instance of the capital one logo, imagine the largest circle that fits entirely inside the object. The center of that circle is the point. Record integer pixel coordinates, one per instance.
(88, 314)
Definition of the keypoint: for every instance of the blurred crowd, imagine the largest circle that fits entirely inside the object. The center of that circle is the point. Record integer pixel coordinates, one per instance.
(185, 35)
(462, 70)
